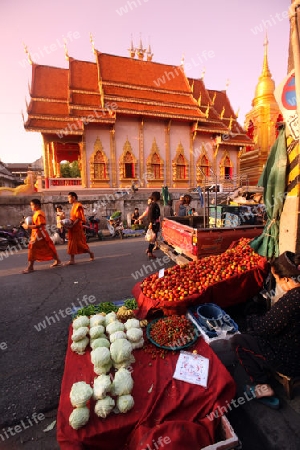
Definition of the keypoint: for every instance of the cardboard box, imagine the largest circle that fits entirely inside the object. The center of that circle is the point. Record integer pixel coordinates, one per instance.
(226, 439)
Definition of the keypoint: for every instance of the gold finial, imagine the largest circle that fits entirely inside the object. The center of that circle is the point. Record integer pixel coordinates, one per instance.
(66, 50)
(222, 112)
(28, 54)
(149, 53)
(182, 61)
(230, 123)
(214, 99)
(203, 73)
(192, 86)
(92, 42)
(199, 99)
(22, 116)
(141, 51)
(237, 112)
(227, 84)
(131, 49)
(207, 111)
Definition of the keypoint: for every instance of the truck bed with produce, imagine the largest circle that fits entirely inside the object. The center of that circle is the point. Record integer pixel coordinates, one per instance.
(184, 238)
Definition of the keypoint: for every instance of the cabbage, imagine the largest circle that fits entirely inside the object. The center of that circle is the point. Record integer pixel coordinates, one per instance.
(97, 331)
(120, 350)
(117, 335)
(97, 319)
(100, 342)
(132, 323)
(100, 356)
(99, 370)
(102, 385)
(80, 394)
(79, 333)
(80, 346)
(81, 321)
(104, 407)
(110, 317)
(125, 403)
(138, 344)
(134, 334)
(79, 417)
(123, 383)
(114, 326)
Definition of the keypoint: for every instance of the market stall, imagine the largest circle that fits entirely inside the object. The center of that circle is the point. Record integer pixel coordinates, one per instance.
(227, 279)
(166, 410)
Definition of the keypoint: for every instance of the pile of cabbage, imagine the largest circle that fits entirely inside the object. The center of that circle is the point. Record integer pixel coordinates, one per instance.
(112, 343)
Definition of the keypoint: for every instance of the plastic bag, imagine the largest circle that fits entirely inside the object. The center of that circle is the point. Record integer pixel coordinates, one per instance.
(150, 235)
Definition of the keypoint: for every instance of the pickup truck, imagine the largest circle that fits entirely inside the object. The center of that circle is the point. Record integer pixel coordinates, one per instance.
(184, 238)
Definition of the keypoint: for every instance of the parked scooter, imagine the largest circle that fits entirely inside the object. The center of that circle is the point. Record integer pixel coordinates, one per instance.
(16, 235)
(115, 225)
(91, 227)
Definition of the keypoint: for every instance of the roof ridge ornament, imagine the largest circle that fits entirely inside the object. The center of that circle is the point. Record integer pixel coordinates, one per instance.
(203, 73)
(66, 50)
(28, 54)
(92, 42)
(132, 49)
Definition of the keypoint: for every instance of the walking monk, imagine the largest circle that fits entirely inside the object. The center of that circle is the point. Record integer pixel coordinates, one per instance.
(76, 237)
(41, 247)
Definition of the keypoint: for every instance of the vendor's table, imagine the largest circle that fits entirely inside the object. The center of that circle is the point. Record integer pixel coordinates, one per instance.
(164, 408)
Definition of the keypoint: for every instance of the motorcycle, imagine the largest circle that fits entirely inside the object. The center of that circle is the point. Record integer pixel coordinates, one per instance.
(91, 228)
(115, 225)
(17, 235)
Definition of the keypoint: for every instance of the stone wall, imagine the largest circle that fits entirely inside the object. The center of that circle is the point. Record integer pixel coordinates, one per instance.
(13, 208)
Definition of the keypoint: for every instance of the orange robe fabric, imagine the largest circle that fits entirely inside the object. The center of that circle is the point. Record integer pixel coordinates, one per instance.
(76, 237)
(41, 247)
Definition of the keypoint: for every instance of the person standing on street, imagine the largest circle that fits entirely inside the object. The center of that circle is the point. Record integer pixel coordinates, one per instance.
(41, 247)
(153, 218)
(76, 237)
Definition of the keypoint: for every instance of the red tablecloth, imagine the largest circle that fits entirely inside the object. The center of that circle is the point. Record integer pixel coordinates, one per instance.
(228, 292)
(164, 407)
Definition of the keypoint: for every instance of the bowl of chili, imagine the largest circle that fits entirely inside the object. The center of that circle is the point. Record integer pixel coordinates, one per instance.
(172, 332)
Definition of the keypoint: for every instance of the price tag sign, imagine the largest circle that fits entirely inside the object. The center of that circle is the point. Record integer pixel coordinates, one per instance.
(161, 273)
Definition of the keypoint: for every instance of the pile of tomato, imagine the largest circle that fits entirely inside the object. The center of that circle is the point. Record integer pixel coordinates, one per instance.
(180, 282)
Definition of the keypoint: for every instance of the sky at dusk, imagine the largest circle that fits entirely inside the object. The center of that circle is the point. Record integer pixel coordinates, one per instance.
(224, 38)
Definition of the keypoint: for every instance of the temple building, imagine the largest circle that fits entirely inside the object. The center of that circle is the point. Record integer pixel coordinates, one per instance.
(262, 124)
(129, 119)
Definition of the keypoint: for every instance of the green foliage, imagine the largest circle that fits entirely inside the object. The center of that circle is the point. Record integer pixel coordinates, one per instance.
(70, 170)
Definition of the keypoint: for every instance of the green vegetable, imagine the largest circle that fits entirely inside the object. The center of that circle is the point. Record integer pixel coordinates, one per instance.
(131, 303)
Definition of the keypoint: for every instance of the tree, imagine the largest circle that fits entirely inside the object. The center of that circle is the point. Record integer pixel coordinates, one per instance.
(70, 170)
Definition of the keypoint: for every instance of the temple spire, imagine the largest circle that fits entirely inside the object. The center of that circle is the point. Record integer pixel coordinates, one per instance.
(266, 71)
(149, 53)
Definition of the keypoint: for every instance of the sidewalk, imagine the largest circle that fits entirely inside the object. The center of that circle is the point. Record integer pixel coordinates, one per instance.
(276, 429)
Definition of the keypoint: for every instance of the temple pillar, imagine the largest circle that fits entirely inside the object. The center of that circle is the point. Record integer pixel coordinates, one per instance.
(168, 175)
(113, 157)
(82, 162)
(142, 174)
(45, 153)
(192, 182)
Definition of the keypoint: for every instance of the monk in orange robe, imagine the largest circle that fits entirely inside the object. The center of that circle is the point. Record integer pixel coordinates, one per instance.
(76, 237)
(41, 247)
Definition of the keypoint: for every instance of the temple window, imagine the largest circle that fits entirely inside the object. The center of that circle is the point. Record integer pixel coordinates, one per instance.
(127, 163)
(226, 166)
(203, 166)
(155, 164)
(180, 165)
(99, 162)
